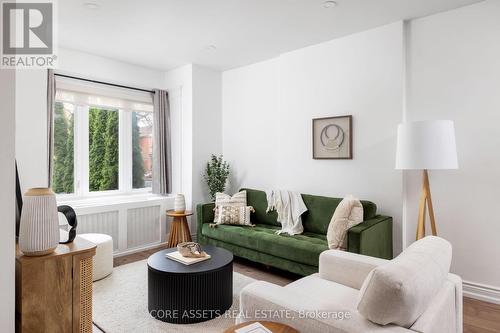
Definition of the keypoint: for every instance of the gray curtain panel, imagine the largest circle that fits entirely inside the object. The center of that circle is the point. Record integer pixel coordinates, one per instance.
(162, 148)
(51, 96)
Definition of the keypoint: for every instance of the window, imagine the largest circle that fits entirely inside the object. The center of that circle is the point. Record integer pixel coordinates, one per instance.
(103, 140)
(63, 180)
(142, 153)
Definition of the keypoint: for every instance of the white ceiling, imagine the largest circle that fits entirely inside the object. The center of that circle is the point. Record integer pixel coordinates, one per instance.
(165, 34)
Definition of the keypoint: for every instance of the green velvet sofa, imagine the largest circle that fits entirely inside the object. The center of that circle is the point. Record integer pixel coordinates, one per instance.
(300, 253)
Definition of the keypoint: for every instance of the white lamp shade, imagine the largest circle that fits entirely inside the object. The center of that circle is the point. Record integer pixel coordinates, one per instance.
(426, 145)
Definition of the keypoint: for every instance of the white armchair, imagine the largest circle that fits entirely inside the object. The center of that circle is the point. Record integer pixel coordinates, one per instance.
(328, 301)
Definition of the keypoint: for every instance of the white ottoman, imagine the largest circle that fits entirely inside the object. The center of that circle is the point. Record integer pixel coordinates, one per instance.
(103, 259)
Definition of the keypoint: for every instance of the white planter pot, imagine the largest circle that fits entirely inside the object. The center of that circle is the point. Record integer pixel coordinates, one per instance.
(39, 229)
(179, 203)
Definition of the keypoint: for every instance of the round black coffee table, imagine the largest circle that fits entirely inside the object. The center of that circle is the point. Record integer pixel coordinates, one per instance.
(183, 294)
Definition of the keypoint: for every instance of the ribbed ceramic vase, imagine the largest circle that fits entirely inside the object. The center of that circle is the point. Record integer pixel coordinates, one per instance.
(179, 203)
(39, 230)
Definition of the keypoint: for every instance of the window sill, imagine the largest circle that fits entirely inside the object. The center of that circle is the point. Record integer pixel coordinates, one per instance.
(110, 200)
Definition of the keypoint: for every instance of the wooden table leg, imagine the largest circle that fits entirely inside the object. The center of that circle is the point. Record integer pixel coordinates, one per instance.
(179, 231)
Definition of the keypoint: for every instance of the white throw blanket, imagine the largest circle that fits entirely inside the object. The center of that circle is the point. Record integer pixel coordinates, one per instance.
(348, 213)
(289, 206)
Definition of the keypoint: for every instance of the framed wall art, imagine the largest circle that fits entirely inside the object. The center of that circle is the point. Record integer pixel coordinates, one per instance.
(332, 138)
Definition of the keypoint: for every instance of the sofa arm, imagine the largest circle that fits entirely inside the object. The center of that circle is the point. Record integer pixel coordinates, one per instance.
(204, 214)
(373, 237)
(349, 269)
(266, 301)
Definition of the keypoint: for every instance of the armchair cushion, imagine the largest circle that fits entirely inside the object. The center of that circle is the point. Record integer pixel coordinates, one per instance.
(400, 291)
(349, 269)
(304, 307)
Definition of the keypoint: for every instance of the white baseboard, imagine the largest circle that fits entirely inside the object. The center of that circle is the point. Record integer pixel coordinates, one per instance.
(137, 249)
(481, 292)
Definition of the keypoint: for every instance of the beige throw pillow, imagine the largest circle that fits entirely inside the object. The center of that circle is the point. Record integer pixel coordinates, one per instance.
(348, 213)
(235, 215)
(221, 199)
(400, 291)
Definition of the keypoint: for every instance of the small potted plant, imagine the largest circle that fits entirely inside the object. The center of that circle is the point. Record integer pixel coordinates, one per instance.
(216, 174)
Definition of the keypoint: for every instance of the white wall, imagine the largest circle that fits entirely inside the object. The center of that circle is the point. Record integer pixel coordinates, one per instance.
(268, 108)
(200, 121)
(7, 201)
(207, 126)
(454, 66)
(250, 124)
(180, 81)
(31, 131)
(110, 70)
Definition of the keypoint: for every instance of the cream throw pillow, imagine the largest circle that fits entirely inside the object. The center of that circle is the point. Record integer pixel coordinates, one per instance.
(348, 213)
(400, 291)
(222, 199)
(235, 215)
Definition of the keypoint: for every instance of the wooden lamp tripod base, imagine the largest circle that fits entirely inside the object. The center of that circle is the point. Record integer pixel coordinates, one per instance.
(425, 201)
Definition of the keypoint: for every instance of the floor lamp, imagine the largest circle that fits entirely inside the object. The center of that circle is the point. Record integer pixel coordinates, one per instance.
(426, 145)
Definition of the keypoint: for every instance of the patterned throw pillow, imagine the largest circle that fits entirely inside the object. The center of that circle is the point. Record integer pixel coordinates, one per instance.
(237, 200)
(235, 215)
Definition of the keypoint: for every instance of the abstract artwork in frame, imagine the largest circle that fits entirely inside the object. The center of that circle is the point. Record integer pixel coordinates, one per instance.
(332, 138)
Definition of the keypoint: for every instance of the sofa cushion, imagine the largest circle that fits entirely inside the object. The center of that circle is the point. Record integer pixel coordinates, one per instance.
(319, 210)
(304, 248)
(258, 200)
(401, 290)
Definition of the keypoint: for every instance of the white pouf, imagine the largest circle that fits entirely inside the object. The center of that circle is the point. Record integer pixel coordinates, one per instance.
(103, 259)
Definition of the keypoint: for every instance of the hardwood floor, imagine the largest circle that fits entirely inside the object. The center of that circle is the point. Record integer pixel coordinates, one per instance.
(479, 316)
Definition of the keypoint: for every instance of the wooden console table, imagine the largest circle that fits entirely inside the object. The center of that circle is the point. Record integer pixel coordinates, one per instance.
(54, 292)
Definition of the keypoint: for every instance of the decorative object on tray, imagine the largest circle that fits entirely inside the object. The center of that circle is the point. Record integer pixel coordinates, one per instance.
(332, 137)
(39, 229)
(177, 256)
(348, 213)
(191, 250)
(216, 174)
(179, 203)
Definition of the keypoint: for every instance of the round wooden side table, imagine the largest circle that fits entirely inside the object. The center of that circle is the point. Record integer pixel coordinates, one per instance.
(270, 325)
(179, 230)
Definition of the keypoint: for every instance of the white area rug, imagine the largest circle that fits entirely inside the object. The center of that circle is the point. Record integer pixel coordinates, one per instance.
(121, 304)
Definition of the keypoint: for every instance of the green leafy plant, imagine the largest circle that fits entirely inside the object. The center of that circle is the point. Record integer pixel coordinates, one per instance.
(216, 174)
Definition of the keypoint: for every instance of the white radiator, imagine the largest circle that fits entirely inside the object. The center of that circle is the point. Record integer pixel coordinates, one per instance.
(143, 226)
(135, 223)
(100, 223)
